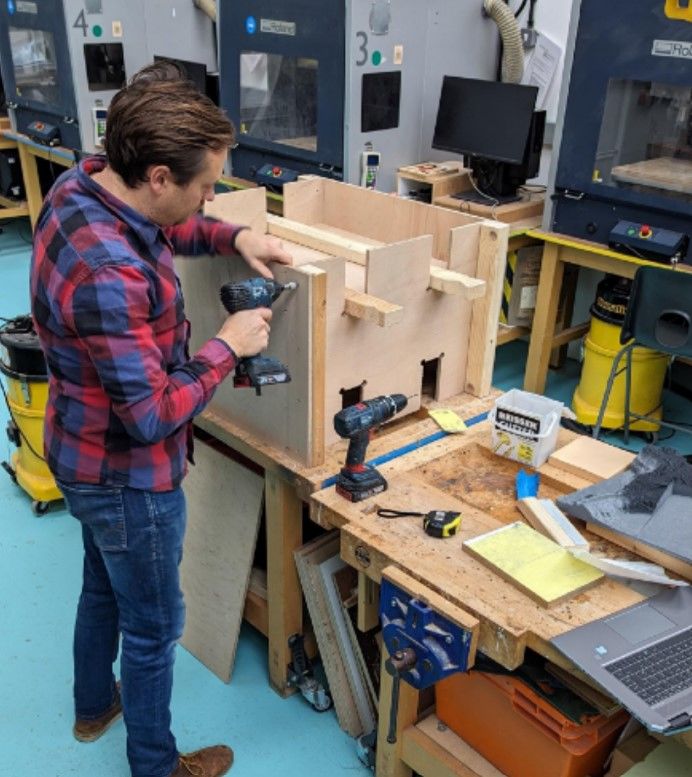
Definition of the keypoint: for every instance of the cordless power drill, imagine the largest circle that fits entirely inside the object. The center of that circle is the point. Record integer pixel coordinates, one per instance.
(256, 371)
(357, 480)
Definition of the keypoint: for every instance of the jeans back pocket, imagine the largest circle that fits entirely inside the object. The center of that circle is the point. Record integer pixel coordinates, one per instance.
(102, 509)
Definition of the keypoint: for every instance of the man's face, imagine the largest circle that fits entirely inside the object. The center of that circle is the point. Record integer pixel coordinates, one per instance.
(181, 202)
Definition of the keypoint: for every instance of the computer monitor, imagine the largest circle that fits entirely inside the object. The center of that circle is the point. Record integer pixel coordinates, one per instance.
(494, 125)
(193, 71)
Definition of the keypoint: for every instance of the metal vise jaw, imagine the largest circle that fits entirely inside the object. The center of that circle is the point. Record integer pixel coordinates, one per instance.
(441, 647)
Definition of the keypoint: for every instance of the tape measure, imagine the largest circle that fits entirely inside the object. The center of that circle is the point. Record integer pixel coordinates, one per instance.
(437, 523)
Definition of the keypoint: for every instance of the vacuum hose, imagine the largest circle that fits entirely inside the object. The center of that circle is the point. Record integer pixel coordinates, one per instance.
(209, 8)
(510, 32)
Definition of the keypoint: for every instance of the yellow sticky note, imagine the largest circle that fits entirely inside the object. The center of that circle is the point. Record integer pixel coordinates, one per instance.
(447, 420)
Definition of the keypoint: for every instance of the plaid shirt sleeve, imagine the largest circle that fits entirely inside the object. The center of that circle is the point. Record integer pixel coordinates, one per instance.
(109, 311)
(202, 235)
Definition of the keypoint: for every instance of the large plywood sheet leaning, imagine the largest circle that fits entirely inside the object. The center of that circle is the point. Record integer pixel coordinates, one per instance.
(224, 506)
(385, 285)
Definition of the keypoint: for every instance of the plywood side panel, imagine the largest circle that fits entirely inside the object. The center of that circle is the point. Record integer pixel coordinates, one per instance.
(492, 258)
(245, 206)
(304, 200)
(389, 360)
(283, 415)
(389, 219)
(224, 505)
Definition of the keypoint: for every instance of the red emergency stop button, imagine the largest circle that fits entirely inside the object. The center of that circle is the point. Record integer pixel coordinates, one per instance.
(645, 231)
(276, 171)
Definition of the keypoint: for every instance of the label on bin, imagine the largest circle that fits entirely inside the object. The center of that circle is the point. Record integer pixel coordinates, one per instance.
(524, 425)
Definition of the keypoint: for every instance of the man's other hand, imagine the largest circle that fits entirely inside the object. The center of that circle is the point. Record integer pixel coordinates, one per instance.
(258, 250)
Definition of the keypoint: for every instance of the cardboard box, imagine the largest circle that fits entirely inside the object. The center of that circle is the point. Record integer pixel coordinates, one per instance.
(630, 752)
(521, 286)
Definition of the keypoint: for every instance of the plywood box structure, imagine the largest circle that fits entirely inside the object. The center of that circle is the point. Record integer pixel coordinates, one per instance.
(389, 290)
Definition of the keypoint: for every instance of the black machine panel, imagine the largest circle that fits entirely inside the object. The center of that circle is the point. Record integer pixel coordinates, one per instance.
(626, 147)
(282, 83)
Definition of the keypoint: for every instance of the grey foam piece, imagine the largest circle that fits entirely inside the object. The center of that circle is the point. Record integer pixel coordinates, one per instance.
(668, 527)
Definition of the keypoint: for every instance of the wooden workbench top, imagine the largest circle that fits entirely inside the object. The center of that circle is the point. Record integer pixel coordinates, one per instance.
(461, 473)
(390, 438)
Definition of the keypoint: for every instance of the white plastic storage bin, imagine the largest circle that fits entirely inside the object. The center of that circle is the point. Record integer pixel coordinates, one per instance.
(525, 426)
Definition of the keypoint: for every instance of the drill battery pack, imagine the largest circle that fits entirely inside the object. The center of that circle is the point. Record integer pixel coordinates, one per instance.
(358, 485)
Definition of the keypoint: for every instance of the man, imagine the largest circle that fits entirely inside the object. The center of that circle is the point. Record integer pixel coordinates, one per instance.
(123, 390)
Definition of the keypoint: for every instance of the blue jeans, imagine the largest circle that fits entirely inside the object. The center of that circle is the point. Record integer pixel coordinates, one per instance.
(133, 543)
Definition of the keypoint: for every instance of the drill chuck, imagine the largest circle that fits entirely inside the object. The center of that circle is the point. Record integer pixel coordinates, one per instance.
(253, 293)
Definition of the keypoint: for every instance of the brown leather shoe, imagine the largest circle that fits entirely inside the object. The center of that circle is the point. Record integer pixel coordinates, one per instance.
(208, 762)
(90, 730)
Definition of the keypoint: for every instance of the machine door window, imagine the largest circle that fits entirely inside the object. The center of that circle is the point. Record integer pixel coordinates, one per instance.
(105, 66)
(278, 99)
(645, 142)
(35, 65)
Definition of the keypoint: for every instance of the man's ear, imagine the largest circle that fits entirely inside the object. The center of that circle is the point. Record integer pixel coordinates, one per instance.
(159, 178)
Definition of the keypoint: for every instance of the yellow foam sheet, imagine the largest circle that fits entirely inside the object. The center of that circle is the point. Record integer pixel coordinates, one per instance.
(536, 564)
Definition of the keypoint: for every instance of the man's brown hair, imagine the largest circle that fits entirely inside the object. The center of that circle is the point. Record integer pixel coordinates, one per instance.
(159, 118)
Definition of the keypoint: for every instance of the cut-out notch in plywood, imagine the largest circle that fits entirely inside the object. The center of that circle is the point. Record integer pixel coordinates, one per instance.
(536, 565)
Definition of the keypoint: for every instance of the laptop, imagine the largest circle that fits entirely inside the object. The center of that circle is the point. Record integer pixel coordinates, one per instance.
(642, 656)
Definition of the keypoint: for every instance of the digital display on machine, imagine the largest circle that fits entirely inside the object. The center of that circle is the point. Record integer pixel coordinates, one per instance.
(645, 141)
(278, 99)
(105, 66)
(380, 101)
(487, 119)
(35, 65)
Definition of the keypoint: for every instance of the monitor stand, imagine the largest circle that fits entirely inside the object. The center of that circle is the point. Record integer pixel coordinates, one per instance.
(490, 199)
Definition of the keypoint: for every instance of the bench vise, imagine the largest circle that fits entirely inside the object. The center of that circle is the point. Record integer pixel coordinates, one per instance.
(424, 645)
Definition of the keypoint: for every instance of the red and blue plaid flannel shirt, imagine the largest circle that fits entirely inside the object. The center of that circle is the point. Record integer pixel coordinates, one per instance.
(109, 314)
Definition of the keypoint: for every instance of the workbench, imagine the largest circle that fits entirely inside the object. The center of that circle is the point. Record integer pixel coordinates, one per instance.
(288, 486)
(10, 208)
(29, 152)
(560, 251)
(459, 473)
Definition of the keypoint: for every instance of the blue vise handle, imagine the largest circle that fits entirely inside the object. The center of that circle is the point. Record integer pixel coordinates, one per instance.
(423, 645)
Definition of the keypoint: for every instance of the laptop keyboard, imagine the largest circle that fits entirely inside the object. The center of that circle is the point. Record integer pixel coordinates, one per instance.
(657, 672)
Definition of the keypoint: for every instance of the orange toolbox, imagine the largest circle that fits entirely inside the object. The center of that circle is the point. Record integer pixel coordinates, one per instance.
(520, 732)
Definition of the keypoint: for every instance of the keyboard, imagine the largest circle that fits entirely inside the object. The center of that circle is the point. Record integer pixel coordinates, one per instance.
(658, 672)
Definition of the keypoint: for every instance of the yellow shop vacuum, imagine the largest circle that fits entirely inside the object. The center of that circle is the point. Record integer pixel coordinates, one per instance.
(24, 367)
(600, 348)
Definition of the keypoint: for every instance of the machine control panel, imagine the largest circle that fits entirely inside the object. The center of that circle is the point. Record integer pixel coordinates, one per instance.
(275, 176)
(369, 165)
(44, 133)
(99, 117)
(649, 242)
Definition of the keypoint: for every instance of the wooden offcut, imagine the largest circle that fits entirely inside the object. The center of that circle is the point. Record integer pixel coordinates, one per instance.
(591, 459)
(552, 523)
(224, 505)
